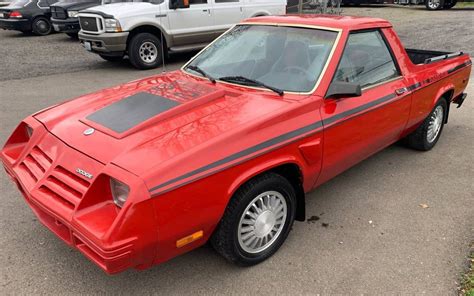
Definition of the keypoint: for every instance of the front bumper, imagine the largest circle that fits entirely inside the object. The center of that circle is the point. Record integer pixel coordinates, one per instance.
(70, 25)
(77, 209)
(110, 43)
(15, 24)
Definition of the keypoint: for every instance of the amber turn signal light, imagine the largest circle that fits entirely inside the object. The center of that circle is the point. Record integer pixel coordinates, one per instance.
(189, 239)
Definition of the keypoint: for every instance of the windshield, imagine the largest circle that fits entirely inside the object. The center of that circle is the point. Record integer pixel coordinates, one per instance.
(18, 3)
(287, 58)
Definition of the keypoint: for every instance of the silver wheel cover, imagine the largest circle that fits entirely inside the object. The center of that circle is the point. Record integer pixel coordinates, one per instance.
(433, 4)
(148, 52)
(262, 222)
(435, 124)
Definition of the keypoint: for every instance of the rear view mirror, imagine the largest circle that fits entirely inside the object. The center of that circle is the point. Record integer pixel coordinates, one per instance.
(339, 89)
(175, 4)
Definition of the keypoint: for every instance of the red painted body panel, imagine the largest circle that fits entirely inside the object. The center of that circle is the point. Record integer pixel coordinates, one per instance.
(184, 164)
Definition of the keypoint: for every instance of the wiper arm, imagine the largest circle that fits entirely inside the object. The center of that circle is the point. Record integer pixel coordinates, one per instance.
(202, 72)
(247, 81)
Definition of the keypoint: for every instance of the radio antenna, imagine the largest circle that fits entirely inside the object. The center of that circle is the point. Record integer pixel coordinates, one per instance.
(162, 46)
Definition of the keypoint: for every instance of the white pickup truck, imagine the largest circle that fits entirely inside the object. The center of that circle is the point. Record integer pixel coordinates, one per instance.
(147, 30)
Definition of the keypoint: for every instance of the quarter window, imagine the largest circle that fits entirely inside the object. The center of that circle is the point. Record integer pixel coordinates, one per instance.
(366, 60)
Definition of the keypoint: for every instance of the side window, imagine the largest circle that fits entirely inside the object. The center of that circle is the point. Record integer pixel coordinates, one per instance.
(366, 60)
(226, 1)
(191, 2)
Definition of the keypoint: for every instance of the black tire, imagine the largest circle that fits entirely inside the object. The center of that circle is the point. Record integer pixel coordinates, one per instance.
(225, 238)
(73, 35)
(432, 5)
(145, 41)
(41, 26)
(111, 58)
(419, 138)
(450, 4)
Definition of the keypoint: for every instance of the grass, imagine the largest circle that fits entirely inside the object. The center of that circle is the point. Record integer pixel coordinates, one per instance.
(465, 4)
(467, 282)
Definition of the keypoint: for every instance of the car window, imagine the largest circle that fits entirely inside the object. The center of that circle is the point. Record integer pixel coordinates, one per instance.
(366, 60)
(191, 2)
(288, 58)
(226, 1)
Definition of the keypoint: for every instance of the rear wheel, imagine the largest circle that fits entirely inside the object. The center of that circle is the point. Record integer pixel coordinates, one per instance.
(450, 4)
(257, 220)
(111, 58)
(144, 51)
(428, 133)
(434, 4)
(41, 26)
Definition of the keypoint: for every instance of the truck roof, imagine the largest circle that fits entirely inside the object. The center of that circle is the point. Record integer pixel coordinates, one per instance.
(331, 21)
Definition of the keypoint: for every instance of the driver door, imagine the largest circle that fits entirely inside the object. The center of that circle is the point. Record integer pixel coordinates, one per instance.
(357, 127)
(192, 25)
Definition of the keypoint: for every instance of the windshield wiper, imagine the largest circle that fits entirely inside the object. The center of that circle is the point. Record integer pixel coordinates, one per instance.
(248, 81)
(202, 72)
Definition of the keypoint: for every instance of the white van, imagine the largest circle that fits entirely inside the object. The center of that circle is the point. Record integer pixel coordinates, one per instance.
(139, 28)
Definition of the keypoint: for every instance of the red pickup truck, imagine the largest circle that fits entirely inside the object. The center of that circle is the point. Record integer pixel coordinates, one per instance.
(224, 149)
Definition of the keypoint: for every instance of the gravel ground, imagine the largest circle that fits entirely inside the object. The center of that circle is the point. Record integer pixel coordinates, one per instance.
(30, 56)
(372, 236)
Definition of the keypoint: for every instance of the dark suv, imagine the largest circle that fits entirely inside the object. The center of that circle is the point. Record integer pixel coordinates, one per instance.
(27, 16)
(64, 15)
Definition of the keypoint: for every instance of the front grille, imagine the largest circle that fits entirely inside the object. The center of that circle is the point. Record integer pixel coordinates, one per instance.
(58, 13)
(64, 186)
(35, 164)
(89, 24)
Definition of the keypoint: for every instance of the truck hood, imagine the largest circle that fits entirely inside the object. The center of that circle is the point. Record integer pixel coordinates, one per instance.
(145, 123)
(76, 5)
(124, 9)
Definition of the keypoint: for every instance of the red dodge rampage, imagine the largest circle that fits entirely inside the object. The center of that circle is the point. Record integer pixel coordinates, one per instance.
(226, 148)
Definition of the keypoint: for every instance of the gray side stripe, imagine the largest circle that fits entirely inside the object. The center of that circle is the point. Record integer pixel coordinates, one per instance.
(272, 142)
(358, 109)
(245, 152)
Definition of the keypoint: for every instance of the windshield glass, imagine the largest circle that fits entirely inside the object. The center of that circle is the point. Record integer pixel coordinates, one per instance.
(18, 3)
(287, 58)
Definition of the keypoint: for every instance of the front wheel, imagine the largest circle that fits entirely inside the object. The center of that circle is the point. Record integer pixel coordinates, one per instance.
(434, 4)
(144, 51)
(41, 26)
(257, 220)
(428, 133)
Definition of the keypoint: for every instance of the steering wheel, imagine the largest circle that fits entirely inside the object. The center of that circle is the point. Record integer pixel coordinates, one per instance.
(298, 69)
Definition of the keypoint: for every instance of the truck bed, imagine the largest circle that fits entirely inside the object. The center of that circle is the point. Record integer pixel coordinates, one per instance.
(420, 56)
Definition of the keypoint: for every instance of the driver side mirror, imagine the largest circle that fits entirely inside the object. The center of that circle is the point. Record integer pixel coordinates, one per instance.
(339, 89)
(175, 4)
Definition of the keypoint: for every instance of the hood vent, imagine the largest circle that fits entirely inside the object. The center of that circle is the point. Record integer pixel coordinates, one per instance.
(131, 111)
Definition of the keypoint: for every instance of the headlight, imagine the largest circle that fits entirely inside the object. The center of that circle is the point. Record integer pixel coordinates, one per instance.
(112, 25)
(119, 192)
(72, 13)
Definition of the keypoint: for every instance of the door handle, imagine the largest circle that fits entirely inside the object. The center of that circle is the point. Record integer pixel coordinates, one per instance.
(401, 91)
(204, 10)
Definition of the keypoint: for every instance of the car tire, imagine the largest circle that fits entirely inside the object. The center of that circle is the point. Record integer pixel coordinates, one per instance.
(434, 4)
(111, 58)
(144, 51)
(426, 136)
(73, 35)
(266, 204)
(41, 26)
(450, 4)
